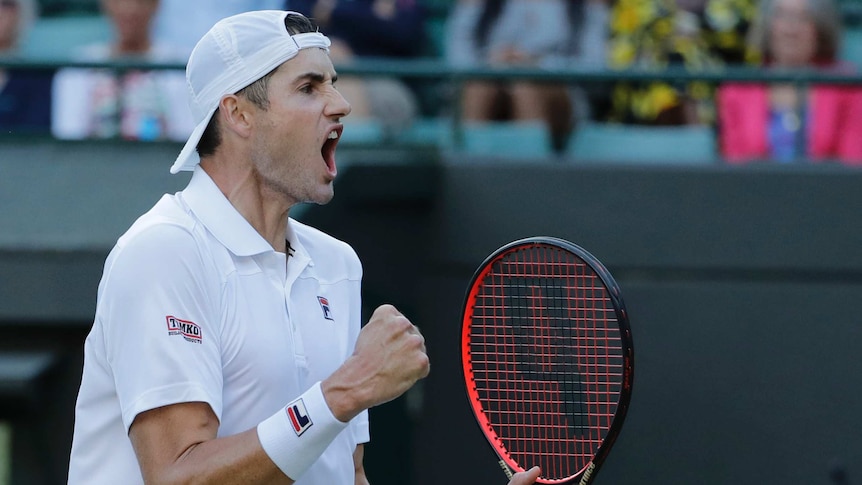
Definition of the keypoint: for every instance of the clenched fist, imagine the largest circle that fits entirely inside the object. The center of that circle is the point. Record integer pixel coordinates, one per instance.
(388, 359)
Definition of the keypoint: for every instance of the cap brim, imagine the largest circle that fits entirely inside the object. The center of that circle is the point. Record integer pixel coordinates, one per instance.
(188, 158)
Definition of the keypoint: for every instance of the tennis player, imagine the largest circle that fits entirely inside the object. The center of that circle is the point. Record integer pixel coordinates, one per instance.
(227, 345)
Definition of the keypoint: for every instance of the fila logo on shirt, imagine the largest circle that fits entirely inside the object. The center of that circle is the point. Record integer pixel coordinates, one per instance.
(324, 306)
(190, 331)
(298, 415)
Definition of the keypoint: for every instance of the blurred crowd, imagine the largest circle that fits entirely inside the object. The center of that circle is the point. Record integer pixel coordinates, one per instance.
(776, 122)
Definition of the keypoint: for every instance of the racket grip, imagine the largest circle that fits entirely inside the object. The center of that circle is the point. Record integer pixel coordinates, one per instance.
(506, 469)
(587, 477)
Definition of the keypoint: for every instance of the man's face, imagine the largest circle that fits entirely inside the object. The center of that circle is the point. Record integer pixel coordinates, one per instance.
(293, 141)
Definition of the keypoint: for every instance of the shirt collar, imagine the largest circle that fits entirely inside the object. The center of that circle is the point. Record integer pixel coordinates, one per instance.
(221, 218)
(300, 253)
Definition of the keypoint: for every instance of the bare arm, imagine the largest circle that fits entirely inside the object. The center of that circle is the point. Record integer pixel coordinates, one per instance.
(178, 444)
(358, 456)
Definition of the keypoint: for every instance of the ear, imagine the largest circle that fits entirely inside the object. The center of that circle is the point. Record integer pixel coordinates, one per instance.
(237, 114)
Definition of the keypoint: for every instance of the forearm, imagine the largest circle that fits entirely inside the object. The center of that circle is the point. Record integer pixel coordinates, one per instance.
(177, 444)
(237, 459)
(346, 390)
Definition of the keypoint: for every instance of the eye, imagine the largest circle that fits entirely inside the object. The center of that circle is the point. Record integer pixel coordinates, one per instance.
(306, 88)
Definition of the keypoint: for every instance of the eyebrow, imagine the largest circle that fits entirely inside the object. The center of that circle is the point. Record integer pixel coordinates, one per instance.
(315, 76)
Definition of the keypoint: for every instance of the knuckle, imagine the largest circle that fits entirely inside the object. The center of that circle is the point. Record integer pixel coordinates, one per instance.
(418, 341)
(386, 308)
(402, 323)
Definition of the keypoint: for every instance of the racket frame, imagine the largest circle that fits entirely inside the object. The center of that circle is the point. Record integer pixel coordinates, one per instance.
(589, 472)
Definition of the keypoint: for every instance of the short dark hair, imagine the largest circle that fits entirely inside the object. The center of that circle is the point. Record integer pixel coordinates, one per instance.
(256, 92)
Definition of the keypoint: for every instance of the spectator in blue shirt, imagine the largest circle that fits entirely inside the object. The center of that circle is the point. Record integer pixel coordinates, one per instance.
(25, 94)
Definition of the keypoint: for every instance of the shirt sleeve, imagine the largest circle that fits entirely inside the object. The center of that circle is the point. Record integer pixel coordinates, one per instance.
(460, 46)
(594, 39)
(70, 108)
(360, 424)
(359, 428)
(159, 310)
(179, 115)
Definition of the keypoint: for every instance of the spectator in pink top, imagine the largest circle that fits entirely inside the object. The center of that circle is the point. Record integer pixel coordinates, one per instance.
(779, 122)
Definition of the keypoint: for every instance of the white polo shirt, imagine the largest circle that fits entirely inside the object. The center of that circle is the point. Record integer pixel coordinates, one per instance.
(194, 305)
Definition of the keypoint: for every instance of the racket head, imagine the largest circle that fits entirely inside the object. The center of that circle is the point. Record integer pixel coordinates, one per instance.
(548, 357)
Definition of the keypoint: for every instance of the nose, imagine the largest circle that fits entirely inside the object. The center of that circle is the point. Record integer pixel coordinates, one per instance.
(337, 106)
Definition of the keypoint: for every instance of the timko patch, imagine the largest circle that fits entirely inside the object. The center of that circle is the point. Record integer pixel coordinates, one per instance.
(190, 331)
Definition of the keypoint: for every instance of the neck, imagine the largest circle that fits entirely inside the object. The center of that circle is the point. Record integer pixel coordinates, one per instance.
(261, 207)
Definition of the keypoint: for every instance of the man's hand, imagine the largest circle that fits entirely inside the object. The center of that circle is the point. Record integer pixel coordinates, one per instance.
(526, 477)
(388, 359)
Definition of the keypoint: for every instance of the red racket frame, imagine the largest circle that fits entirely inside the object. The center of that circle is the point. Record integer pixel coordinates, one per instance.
(588, 471)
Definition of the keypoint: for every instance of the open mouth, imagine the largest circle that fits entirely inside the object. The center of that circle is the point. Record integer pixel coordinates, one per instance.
(328, 150)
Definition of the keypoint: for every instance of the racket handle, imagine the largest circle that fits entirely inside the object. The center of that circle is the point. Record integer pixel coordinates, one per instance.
(506, 469)
(587, 477)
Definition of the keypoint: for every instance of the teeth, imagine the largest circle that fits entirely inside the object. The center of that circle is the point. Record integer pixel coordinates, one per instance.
(333, 135)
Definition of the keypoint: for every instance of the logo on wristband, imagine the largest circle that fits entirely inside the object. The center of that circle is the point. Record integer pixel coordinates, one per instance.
(298, 415)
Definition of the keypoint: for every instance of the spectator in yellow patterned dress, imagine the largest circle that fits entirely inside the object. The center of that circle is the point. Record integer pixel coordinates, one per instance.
(696, 34)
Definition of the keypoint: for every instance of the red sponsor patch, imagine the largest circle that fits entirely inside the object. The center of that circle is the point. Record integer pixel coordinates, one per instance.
(190, 331)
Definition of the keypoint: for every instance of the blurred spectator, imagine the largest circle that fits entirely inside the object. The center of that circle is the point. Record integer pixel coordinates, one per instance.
(651, 34)
(181, 23)
(371, 29)
(134, 104)
(784, 123)
(525, 33)
(25, 94)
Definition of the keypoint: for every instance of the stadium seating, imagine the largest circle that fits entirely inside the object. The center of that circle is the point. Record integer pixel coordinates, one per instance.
(611, 143)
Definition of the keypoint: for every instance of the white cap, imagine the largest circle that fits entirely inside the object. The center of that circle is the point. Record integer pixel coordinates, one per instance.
(236, 52)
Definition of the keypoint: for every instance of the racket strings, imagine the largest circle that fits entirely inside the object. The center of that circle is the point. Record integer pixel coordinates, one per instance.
(546, 355)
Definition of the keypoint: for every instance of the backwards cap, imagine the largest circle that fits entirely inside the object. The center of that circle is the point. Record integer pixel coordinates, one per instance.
(236, 52)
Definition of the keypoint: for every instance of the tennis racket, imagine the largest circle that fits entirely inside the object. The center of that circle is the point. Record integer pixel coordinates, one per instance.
(548, 358)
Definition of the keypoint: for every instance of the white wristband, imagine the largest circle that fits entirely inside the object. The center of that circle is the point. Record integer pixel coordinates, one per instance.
(296, 436)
